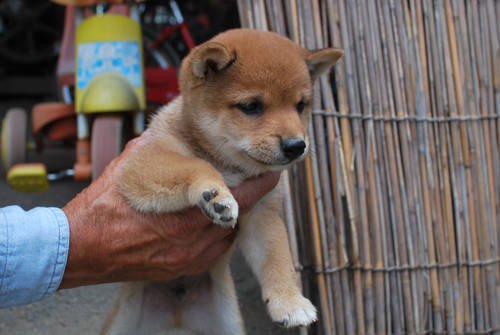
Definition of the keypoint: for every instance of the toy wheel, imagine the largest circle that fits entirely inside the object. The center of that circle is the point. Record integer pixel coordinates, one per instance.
(14, 136)
(107, 141)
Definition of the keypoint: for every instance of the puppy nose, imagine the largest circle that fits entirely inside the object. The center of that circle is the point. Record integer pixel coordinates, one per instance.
(292, 148)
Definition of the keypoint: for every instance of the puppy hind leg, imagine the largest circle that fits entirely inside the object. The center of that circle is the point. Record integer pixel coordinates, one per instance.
(125, 316)
(217, 313)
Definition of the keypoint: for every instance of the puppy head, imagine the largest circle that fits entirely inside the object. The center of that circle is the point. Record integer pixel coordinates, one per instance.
(247, 98)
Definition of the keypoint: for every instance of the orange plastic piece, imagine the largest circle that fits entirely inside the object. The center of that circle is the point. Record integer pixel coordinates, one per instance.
(64, 129)
(83, 151)
(82, 171)
(44, 113)
(82, 168)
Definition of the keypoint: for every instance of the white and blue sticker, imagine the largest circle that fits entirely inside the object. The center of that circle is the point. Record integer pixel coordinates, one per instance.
(99, 57)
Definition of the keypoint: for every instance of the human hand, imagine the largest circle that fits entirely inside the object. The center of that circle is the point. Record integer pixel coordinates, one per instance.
(112, 242)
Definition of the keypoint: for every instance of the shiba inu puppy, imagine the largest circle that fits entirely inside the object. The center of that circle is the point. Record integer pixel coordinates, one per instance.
(244, 110)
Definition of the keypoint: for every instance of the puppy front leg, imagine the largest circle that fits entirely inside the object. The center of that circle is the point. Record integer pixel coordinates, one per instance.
(160, 181)
(263, 240)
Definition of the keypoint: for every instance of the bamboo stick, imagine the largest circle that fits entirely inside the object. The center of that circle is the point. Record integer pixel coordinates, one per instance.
(395, 319)
(320, 126)
(494, 105)
(292, 21)
(342, 135)
(425, 162)
(350, 187)
(468, 158)
(487, 228)
(410, 149)
(331, 225)
(317, 250)
(405, 253)
(376, 206)
(481, 301)
(361, 177)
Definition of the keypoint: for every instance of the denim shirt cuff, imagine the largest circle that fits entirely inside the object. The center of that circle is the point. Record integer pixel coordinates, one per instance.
(34, 249)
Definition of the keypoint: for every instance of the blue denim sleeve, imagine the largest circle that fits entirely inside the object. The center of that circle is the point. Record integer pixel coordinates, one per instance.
(34, 249)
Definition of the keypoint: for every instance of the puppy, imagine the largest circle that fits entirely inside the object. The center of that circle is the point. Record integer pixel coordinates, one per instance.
(244, 110)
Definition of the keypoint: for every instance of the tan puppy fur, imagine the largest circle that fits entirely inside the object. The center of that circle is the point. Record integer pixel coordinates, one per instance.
(245, 105)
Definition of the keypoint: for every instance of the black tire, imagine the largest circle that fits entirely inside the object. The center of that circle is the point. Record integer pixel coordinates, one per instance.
(32, 33)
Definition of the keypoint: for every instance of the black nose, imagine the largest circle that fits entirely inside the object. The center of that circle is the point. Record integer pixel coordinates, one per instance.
(293, 148)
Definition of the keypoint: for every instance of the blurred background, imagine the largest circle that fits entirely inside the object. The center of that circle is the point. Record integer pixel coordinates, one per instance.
(31, 33)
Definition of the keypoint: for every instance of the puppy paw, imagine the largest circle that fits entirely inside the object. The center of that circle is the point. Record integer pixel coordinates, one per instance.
(291, 312)
(220, 206)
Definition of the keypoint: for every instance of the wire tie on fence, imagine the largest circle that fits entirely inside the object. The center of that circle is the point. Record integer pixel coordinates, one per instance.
(410, 118)
(430, 266)
(433, 331)
(401, 333)
(333, 270)
(308, 268)
(425, 332)
(448, 265)
(394, 268)
(398, 268)
(487, 331)
(491, 261)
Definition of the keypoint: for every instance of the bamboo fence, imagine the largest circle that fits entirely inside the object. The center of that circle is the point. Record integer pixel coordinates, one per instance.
(394, 217)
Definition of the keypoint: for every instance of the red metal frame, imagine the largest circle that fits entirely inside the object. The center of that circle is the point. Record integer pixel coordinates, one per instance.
(161, 84)
(186, 34)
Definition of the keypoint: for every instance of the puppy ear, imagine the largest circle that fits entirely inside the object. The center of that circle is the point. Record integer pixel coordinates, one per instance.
(210, 57)
(320, 61)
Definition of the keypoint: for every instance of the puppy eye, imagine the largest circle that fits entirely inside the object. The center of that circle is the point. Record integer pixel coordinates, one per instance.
(251, 108)
(300, 106)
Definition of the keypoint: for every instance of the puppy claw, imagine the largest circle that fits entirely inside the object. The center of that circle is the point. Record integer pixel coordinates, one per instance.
(282, 324)
(206, 212)
(292, 312)
(220, 206)
(226, 219)
(209, 195)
